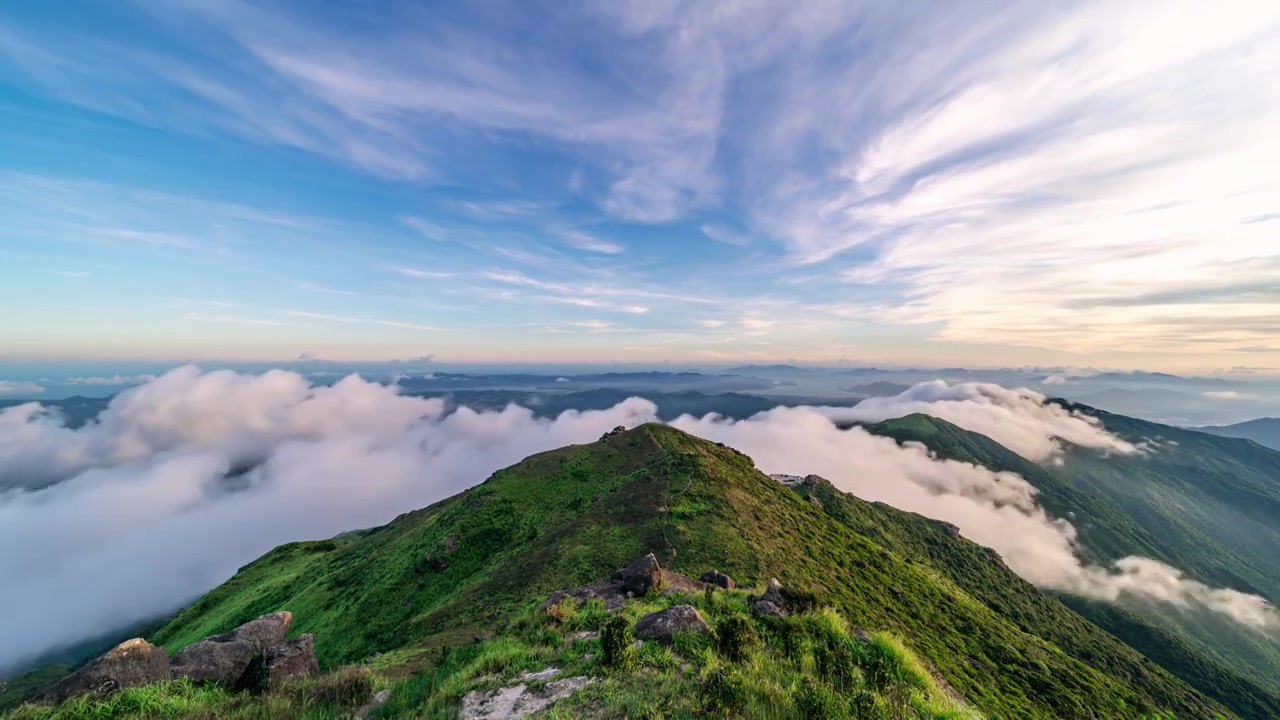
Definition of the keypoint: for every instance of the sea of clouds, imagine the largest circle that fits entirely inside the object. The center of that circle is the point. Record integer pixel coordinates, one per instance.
(186, 478)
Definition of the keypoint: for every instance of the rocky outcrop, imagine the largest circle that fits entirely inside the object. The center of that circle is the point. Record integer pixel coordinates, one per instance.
(130, 664)
(663, 625)
(224, 658)
(610, 593)
(771, 603)
(715, 577)
(517, 701)
(278, 664)
(640, 576)
(635, 580)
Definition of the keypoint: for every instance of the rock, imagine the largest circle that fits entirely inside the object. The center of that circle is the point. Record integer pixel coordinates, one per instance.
(129, 664)
(664, 624)
(635, 580)
(715, 577)
(764, 608)
(610, 593)
(517, 701)
(773, 593)
(640, 576)
(224, 658)
(585, 635)
(540, 675)
(278, 663)
(771, 603)
(265, 631)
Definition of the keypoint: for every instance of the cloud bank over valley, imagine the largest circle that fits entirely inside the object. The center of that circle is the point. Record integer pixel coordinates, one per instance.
(184, 479)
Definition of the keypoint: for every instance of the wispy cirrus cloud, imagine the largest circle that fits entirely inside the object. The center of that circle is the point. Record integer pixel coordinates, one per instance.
(1077, 178)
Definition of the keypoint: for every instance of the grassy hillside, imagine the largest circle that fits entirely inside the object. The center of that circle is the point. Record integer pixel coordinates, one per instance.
(1264, 431)
(468, 565)
(970, 567)
(1205, 504)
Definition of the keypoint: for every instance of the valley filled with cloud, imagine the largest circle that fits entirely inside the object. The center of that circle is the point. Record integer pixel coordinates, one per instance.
(182, 480)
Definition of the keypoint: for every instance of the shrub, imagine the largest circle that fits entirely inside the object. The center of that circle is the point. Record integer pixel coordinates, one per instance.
(800, 600)
(837, 664)
(616, 644)
(815, 701)
(590, 615)
(348, 687)
(722, 692)
(736, 638)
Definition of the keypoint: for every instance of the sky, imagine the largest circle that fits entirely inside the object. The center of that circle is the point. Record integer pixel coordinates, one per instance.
(1086, 183)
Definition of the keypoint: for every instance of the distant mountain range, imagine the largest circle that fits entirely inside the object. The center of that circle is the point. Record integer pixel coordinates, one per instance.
(1264, 431)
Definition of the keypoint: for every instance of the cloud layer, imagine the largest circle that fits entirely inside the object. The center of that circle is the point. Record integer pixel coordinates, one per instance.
(1019, 419)
(186, 478)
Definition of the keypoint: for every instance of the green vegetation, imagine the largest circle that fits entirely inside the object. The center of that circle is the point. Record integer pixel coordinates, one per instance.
(463, 567)
(810, 665)
(332, 696)
(1205, 504)
(443, 600)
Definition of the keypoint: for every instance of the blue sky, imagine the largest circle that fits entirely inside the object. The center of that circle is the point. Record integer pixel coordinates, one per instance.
(915, 183)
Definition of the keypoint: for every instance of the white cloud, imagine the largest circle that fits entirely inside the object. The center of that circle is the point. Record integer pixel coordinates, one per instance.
(349, 320)
(1055, 380)
(998, 510)
(711, 324)
(591, 243)
(19, 387)
(1229, 395)
(112, 380)
(726, 235)
(356, 454)
(351, 455)
(422, 274)
(1020, 419)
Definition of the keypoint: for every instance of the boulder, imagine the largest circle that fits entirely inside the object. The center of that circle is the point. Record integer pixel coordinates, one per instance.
(715, 577)
(771, 603)
(640, 576)
(224, 658)
(295, 658)
(129, 664)
(764, 608)
(608, 592)
(664, 624)
(265, 631)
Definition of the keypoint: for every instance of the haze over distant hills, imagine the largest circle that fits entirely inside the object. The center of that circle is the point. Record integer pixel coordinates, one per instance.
(1264, 431)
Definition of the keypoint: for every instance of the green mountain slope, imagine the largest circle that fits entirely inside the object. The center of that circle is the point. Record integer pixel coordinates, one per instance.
(1264, 431)
(468, 565)
(1207, 505)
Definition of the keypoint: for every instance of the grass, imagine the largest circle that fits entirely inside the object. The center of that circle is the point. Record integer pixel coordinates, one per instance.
(331, 696)
(396, 597)
(774, 675)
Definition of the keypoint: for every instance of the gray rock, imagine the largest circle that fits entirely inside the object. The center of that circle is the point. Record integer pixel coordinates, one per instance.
(224, 658)
(715, 577)
(664, 624)
(771, 603)
(130, 664)
(278, 663)
(764, 608)
(540, 675)
(640, 576)
(265, 631)
(517, 701)
(773, 593)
